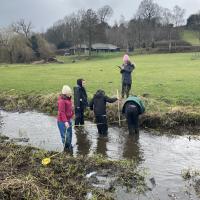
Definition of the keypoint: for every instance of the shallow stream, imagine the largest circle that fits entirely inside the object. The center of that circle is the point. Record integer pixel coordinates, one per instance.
(163, 156)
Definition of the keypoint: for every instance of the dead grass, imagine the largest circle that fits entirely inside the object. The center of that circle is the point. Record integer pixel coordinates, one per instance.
(192, 176)
(159, 115)
(23, 177)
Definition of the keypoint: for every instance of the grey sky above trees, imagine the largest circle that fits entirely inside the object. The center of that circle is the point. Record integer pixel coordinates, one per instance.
(43, 13)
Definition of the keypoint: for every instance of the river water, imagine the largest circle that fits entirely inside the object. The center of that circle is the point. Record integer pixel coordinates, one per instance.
(163, 156)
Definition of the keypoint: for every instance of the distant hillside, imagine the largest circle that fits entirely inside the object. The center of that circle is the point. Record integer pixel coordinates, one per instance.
(190, 37)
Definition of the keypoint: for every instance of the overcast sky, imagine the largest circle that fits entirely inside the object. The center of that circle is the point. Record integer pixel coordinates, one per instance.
(43, 13)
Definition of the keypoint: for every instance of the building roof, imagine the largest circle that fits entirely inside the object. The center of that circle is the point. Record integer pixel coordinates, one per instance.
(104, 46)
(82, 46)
(97, 46)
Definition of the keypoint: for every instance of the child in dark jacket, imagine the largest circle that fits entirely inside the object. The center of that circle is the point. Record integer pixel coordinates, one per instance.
(80, 101)
(98, 105)
(126, 70)
(64, 118)
(132, 108)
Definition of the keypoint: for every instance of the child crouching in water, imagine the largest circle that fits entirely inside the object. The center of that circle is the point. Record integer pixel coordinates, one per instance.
(64, 118)
(132, 108)
(98, 105)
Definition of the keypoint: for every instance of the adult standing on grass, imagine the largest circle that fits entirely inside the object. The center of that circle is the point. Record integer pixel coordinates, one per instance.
(132, 108)
(64, 118)
(126, 70)
(80, 101)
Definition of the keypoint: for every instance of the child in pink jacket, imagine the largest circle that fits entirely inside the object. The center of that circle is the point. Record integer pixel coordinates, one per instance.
(65, 115)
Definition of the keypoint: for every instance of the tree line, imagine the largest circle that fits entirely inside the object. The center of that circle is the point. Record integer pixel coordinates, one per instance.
(150, 25)
(18, 44)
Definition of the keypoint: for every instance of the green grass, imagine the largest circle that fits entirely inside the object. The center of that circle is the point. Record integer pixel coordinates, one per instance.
(174, 78)
(191, 37)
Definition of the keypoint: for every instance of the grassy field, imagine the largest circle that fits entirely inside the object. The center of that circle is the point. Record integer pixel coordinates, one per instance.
(191, 37)
(173, 78)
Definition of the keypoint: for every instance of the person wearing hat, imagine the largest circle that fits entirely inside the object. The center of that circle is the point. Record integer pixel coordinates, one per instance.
(80, 102)
(132, 108)
(126, 70)
(98, 105)
(65, 115)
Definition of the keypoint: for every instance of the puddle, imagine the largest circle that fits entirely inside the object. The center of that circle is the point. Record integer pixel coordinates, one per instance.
(164, 156)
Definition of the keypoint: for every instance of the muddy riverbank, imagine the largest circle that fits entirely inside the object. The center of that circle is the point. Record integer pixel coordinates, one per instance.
(163, 156)
(157, 116)
(22, 176)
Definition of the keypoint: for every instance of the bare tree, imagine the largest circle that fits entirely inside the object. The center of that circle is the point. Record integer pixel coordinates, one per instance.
(166, 16)
(43, 47)
(75, 28)
(148, 14)
(178, 16)
(148, 10)
(15, 47)
(6, 35)
(21, 52)
(67, 32)
(89, 23)
(57, 34)
(21, 27)
(167, 21)
(178, 19)
(104, 13)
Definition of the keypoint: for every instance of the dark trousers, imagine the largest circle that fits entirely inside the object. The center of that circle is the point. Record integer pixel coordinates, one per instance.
(126, 89)
(102, 125)
(79, 116)
(132, 117)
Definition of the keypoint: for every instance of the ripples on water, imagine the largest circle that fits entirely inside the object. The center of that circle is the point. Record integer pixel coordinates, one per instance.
(164, 156)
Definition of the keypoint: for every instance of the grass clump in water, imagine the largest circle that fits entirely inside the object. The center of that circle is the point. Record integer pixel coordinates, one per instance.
(192, 176)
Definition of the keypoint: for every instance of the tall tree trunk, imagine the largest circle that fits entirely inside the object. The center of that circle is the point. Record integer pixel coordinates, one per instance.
(10, 57)
(170, 41)
(90, 43)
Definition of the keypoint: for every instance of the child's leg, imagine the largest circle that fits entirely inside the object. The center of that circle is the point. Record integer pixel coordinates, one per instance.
(132, 118)
(128, 88)
(82, 117)
(129, 122)
(99, 123)
(77, 116)
(135, 120)
(123, 89)
(104, 125)
(68, 143)
(62, 129)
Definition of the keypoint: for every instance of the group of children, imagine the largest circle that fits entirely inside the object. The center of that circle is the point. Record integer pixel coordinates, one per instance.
(132, 107)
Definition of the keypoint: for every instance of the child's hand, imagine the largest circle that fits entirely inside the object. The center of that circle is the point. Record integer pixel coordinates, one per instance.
(119, 67)
(119, 99)
(67, 124)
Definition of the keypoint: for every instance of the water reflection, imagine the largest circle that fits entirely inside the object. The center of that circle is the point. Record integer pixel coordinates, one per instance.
(131, 147)
(82, 142)
(164, 157)
(102, 145)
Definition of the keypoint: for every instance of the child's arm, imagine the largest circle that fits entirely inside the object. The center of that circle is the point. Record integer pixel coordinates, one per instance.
(110, 100)
(129, 68)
